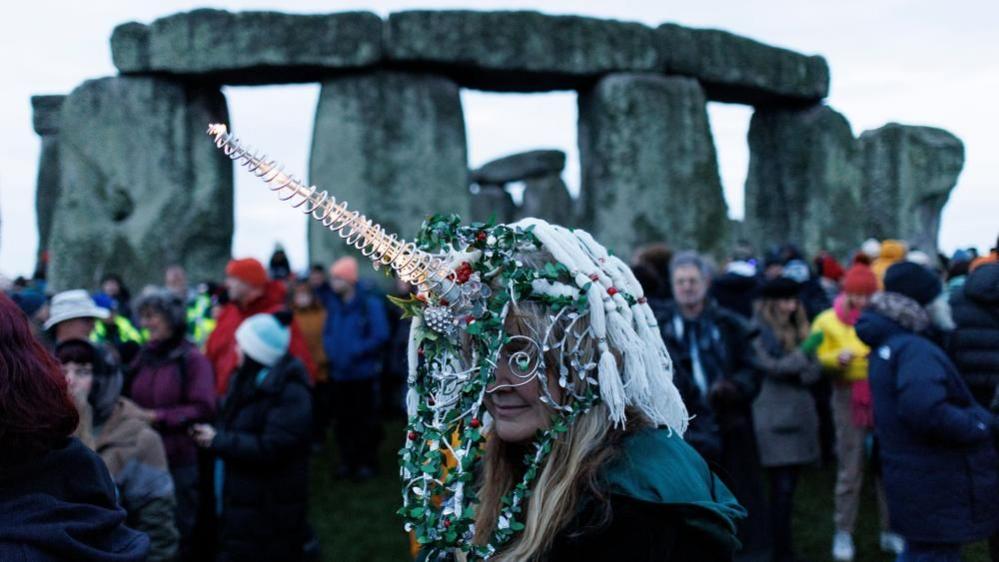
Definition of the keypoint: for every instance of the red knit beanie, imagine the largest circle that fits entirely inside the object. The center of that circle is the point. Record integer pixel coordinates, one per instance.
(859, 279)
(829, 267)
(247, 270)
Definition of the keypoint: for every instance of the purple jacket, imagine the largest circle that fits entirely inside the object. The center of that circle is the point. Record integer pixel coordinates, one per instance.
(157, 385)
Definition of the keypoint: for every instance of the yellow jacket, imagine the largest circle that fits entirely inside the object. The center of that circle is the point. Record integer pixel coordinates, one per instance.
(837, 337)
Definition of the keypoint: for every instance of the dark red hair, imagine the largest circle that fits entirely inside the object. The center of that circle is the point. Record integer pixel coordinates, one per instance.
(36, 412)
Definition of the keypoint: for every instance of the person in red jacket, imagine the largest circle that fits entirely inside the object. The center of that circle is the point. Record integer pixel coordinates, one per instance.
(250, 292)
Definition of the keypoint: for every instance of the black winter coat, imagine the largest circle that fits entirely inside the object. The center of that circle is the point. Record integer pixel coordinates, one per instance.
(974, 344)
(263, 441)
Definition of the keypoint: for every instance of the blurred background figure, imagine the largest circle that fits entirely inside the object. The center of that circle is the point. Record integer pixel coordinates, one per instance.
(279, 267)
(173, 385)
(310, 316)
(117, 430)
(356, 329)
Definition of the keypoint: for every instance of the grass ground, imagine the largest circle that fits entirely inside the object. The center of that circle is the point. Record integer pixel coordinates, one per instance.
(356, 522)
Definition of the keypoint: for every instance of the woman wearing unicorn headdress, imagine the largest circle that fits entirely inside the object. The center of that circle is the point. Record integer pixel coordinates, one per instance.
(543, 421)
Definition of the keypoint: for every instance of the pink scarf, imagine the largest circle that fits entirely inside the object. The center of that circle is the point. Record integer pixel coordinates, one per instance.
(847, 317)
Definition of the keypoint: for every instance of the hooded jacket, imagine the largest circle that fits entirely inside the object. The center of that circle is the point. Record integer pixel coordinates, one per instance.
(134, 455)
(263, 442)
(665, 504)
(974, 344)
(61, 506)
(221, 345)
(940, 469)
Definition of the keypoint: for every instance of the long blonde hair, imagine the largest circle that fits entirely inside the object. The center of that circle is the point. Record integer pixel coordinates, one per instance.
(789, 331)
(570, 471)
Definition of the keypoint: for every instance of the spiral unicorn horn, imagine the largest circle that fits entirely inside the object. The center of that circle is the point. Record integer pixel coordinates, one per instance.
(411, 264)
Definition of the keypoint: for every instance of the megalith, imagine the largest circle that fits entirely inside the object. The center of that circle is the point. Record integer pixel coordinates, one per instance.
(545, 194)
(649, 167)
(391, 144)
(45, 118)
(909, 172)
(141, 185)
(804, 184)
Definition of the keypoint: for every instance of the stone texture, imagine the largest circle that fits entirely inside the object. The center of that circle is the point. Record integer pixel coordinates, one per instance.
(909, 174)
(738, 69)
(520, 166)
(142, 185)
(249, 47)
(46, 119)
(518, 50)
(649, 165)
(804, 182)
(391, 144)
(492, 202)
(547, 197)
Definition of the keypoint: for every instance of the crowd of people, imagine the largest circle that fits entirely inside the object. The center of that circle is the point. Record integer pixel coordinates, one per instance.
(195, 409)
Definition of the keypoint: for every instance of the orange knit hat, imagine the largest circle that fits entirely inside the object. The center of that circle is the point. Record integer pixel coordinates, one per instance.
(859, 279)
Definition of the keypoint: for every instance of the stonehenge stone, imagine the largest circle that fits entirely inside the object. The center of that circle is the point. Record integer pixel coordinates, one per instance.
(732, 68)
(547, 197)
(649, 169)
(45, 118)
(492, 202)
(520, 166)
(804, 183)
(518, 50)
(249, 47)
(392, 145)
(142, 185)
(909, 173)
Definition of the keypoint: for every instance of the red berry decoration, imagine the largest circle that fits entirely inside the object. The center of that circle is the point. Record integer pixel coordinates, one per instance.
(594, 277)
(476, 423)
(447, 523)
(445, 302)
(611, 291)
(469, 319)
(419, 351)
(481, 236)
(464, 272)
(412, 436)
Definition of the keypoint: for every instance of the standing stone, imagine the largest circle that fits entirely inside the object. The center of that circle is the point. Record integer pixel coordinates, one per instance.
(46, 123)
(547, 197)
(491, 202)
(649, 166)
(142, 184)
(392, 145)
(804, 184)
(909, 172)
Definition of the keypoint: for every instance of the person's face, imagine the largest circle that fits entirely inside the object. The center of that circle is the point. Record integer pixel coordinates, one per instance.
(75, 329)
(79, 378)
(176, 280)
(156, 324)
(514, 398)
(787, 307)
(237, 289)
(689, 286)
(303, 297)
(340, 285)
(857, 301)
(773, 271)
(316, 279)
(111, 288)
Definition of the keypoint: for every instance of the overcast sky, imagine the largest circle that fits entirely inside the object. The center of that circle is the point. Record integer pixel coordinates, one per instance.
(922, 63)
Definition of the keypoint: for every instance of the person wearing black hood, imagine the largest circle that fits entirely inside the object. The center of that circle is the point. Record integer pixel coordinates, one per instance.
(56, 496)
(974, 344)
(940, 468)
(262, 443)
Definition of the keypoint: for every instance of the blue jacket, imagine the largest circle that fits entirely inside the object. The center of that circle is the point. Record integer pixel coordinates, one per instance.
(940, 468)
(354, 334)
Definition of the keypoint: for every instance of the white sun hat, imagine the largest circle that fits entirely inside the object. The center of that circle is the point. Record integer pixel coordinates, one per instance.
(68, 305)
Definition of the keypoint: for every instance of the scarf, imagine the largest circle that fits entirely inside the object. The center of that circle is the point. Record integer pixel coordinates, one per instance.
(848, 317)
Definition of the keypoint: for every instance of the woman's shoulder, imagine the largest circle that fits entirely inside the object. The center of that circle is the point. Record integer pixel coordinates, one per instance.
(656, 466)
